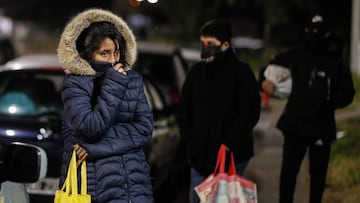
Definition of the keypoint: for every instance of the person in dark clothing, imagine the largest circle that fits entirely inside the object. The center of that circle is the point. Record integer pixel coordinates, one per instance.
(219, 104)
(321, 83)
(106, 117)
(7, 50)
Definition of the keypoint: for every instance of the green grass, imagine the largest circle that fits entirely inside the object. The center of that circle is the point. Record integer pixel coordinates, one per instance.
(343, 181)
(356, 80)
(345, 158)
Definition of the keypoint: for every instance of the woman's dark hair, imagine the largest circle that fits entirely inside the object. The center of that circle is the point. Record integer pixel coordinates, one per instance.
(91, 37)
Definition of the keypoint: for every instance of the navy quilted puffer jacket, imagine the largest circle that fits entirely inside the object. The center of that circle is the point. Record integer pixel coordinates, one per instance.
(107, 113)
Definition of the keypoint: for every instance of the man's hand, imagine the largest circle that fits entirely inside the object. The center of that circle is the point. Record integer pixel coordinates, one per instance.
(268, 87)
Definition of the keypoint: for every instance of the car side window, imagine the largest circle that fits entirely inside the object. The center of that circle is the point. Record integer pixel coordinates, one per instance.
(16, 97)
(17, 103)
(30, 95)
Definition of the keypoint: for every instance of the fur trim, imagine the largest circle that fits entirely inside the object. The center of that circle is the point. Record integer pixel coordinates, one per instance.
(69, 56)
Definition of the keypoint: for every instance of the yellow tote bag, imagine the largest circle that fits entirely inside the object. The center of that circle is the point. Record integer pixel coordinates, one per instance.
(69, 190)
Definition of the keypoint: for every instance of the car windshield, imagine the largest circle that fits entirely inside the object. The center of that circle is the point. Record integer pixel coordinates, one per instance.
(30, 92)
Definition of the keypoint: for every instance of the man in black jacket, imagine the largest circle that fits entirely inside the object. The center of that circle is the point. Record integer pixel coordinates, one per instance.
(219, 104)
(321, 83)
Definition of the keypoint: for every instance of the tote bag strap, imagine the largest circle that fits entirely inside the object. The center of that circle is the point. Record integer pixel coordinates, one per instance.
(66, 186)
(220, 161)
(73, 174)
(83, 178)
(232, 168)
(71, 178)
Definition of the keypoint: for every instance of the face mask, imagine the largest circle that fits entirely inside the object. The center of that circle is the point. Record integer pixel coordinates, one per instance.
(314, 40)
(209, 53)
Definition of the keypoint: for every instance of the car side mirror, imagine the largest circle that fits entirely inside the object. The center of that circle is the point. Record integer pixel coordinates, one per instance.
(24, 163)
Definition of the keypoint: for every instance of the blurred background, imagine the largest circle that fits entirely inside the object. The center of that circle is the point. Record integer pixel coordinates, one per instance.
(168, 36)
(258, 25)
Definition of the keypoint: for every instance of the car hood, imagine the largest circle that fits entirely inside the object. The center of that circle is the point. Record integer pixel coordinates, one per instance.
(69, 56)
(30, 128)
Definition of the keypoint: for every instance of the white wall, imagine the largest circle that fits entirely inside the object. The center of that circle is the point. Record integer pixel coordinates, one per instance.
(355, 37)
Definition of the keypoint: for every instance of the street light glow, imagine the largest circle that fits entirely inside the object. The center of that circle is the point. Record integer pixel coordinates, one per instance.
(136, 3)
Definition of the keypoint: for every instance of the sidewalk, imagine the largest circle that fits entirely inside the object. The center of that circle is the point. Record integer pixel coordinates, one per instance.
(264, 167)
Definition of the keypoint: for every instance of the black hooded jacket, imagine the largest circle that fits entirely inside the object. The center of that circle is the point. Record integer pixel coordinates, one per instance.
(321, 83)
(219, 104)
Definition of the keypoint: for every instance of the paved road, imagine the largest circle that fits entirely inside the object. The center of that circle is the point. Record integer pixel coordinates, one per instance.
(264, 168)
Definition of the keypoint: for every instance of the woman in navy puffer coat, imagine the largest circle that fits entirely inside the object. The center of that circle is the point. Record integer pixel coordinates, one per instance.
(105, 109)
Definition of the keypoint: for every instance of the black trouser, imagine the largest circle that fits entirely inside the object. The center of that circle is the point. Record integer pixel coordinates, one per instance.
(294, 151)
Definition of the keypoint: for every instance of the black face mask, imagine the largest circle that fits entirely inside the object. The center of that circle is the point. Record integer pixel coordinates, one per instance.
(209, 53)
(314, 40)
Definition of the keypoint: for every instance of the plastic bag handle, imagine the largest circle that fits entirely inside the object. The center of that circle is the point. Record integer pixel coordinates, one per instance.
(221, 160)
(232, 168)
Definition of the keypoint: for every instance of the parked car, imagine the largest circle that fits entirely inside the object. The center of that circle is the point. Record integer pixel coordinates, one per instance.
(30, 112)
(22, 163)
(191, 55)
(165, 65)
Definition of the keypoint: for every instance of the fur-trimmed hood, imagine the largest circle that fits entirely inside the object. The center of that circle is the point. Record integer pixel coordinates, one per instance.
(69, 56)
